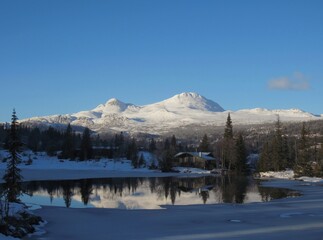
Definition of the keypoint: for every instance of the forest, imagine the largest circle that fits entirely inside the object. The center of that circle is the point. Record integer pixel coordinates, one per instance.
(280, 146)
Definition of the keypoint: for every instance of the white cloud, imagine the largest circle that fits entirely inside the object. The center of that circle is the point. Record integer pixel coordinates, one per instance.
(296, 82)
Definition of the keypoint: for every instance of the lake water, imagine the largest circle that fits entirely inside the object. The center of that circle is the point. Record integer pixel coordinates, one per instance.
(149, 193)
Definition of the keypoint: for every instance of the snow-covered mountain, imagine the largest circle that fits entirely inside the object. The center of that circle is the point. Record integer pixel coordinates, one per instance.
(179, 111)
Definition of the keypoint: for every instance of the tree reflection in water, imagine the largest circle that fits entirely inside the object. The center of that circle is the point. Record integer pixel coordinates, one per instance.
(114, 192)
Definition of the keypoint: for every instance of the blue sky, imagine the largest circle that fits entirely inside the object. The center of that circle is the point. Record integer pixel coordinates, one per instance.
(63, 56)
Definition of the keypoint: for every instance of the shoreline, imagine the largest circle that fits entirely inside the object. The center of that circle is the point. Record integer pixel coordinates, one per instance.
(70, 174)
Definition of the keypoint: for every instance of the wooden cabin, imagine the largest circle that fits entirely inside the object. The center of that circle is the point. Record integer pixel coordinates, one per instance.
(204, 160)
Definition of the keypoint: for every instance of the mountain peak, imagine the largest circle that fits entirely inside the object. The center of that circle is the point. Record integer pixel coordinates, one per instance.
(113, 105)
(193, 101)
(114, 102)
(188, 95)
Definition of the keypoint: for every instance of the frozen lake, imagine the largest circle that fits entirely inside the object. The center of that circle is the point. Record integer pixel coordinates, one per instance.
(149, 193)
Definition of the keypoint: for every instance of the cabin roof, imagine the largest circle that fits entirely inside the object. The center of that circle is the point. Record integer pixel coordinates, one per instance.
(204, 155)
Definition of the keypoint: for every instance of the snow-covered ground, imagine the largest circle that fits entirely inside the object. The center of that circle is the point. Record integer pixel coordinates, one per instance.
(187, 170)
(43, 161)
(16, 210)
(288, 174)
(44, 167)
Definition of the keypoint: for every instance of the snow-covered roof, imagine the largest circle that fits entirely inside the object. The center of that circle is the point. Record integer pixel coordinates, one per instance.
(204, 155)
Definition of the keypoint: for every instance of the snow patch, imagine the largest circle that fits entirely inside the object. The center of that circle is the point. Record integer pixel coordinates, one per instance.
(39, 229)
(188, 170)
(311, 179)
(288, 174)
(42, 161)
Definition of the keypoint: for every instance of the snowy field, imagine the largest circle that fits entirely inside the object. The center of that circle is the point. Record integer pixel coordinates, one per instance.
(44, 167)
(290, 218)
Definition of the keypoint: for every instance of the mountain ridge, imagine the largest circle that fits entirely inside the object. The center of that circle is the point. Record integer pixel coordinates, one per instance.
(176, 112)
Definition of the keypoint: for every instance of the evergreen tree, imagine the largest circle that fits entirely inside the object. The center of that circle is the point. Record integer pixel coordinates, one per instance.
(12, 176)
(166, 144)
(173, 143)
(228, 145)
(279, 149)
(288, 153)
(241, 155)
(119, 143)
(97, 141)
(264, 163)
(132, 153)
(321, 160)
(204, 145)
(169, 151)
(68, 144)
(86, 145)
(34, 139)
(228, 131)
(166, 162)
(275, 155)
(51, 141)
(303, 163)
(152, 145)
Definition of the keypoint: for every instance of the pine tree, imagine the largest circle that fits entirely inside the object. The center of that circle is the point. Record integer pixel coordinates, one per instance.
(303, 164)
(275, 154)
(54, 140)
(228, 131)
(173, 144)
(241, 155)
(279, 149)
(204, 145)
(287, 153)
(132, 153)
(68, 144)
(168, 153)
(33, 141)
(166, 162)
(12, 175)
(152, 145)
(264, 163)
(321, 160)
(166, 144)
(86, 145)
(119, 143)
(228, 145)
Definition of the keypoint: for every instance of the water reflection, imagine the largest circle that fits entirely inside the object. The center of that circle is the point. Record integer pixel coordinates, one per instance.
(149, 193)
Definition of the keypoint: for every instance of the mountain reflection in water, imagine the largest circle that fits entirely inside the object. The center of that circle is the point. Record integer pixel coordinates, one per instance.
(149, 193)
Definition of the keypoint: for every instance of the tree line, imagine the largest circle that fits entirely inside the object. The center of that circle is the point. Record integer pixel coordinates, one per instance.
(69, 144)
(72, 145)
(278, 149)
(303, 152)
